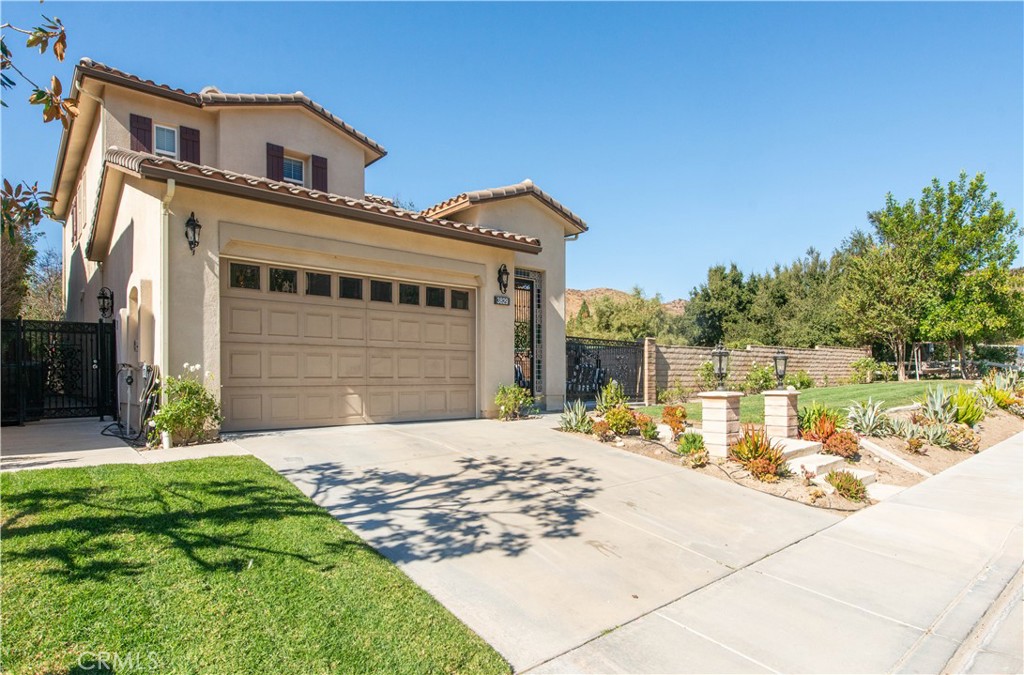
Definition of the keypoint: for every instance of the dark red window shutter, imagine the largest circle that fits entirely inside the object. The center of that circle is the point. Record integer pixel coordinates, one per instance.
(142, 133)
(319, 173)
(189, 151)
(275, 162)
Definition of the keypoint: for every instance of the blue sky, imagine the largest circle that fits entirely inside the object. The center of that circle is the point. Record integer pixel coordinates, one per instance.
(685, 134)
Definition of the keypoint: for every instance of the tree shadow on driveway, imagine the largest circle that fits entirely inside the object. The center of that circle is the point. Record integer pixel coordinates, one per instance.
(481, 505)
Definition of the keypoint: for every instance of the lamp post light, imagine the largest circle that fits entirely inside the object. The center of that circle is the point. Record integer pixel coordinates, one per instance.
(106, 302)
(720, 360)
(780, 359)
(503, 279)
(192, 228)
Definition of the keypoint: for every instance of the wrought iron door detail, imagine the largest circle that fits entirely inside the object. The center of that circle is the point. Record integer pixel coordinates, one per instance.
(54, 369)
(591, 363)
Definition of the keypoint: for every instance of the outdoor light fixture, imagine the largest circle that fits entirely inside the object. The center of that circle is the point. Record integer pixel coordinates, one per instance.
(503, 278)
(192, 228)
(780, 359)
(106, 301)
(720, 360)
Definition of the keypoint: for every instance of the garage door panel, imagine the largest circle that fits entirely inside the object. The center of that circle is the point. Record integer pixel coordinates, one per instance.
(283, 323)
(319, 325)
(295, 361)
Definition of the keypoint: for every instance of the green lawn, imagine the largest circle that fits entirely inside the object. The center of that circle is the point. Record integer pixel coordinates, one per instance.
(893, 393)
(215, 565)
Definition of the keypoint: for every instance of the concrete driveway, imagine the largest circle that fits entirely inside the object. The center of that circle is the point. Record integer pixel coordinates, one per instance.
(539, 541)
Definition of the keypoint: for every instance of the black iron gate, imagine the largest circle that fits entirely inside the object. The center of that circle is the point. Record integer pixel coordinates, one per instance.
(592, 363)
(524, 334)
(55, 369)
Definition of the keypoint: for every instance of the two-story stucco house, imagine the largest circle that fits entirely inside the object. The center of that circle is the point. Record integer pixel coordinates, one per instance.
(311, 302)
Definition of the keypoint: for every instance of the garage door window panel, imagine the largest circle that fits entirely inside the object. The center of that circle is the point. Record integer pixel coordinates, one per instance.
(351, 288)
(460, 300)
(318, 284)
(283, 281)
(245, 276)
(408, 294)
(380, 291)
(435, 297)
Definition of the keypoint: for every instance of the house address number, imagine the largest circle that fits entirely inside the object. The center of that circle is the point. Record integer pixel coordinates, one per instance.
(502, 300)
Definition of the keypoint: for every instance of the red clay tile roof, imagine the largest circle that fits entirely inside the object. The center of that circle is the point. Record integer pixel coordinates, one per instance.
(467, 199)
(210, 97)
(255, 187)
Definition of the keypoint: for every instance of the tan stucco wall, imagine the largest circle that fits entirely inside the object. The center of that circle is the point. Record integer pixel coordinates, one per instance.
(245, 132)
(122, 103)
(526, 215)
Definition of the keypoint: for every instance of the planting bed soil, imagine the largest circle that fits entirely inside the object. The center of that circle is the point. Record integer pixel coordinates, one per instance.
(997, 426)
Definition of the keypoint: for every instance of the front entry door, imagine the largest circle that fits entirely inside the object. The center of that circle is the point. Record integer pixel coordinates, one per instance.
(524, 333)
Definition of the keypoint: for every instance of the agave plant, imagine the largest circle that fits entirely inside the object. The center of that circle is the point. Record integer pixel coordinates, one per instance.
(936, 407)
(868, 418)
(575, 418)
(966, 406)
(934, 434)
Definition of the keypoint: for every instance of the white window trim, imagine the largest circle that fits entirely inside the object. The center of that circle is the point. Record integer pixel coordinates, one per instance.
(177, 142)
(302, 163)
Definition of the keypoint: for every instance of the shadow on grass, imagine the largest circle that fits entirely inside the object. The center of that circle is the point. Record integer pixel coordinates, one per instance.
(491, 504)
(97, 533)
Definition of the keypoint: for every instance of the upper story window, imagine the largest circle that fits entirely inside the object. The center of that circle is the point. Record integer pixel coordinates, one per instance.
(294, 170)
(165, 141)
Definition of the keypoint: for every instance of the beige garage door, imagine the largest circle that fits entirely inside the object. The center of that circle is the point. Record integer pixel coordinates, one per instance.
(313, 348)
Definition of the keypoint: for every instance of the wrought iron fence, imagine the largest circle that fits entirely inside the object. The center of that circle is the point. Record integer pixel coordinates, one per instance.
(55, 369)
(592, 363)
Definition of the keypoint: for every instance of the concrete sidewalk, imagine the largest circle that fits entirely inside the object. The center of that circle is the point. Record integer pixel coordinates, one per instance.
(898, 587)
(60, 444)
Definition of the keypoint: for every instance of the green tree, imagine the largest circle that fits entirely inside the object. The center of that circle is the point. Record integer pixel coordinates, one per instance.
(584, 312)
(970, 241)
(45, 298)
(717, 307)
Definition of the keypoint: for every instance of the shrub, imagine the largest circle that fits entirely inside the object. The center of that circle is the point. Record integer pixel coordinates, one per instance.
(961, 437)
(677, 393)
(754, 445)
(602, 431)
(620, 420)
(699, 458)
(847, 485)
(190, 413)
(864, 370)
(867, 418)
(887, 372)
(610, 396)
(675, 417)
(967, 408)
(808, 416)
(842, 444)
(690, 443)
(706, 380)
(648, 430)
(513, 402)
(758, 379)
(915, 445)
(575, 418)
(821, 430)
(801, 379)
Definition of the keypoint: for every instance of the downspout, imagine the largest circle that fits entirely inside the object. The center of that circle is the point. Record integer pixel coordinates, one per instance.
(165, 291)
(571, 237)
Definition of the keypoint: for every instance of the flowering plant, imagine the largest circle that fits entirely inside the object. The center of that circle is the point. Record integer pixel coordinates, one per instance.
(190, 412)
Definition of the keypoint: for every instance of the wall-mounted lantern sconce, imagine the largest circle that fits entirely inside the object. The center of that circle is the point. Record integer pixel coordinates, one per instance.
(106, 302)
(720, 360)
(503, 278)
(192, 228)
(780, 359)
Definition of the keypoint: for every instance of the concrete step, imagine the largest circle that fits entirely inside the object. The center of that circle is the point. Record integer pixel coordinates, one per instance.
(880, 491)
(817, 464)
(795, 447)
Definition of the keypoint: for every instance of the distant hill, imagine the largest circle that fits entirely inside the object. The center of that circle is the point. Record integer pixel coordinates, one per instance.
(574, 299)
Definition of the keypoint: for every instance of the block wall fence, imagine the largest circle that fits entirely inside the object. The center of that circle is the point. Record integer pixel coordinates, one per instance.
(667, 365)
